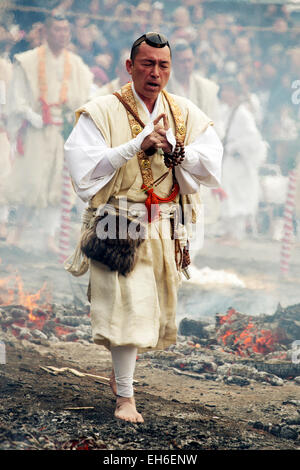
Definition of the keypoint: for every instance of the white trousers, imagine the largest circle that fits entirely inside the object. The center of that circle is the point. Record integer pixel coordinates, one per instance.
(124, 360)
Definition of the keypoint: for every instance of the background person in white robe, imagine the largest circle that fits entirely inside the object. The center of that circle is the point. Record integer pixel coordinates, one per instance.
(244, 152)
(138, 311)
(186, 81)
(49, 82)
(5, 148)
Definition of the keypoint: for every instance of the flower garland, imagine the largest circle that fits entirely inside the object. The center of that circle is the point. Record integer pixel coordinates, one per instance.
(66, 204)
(43, 83)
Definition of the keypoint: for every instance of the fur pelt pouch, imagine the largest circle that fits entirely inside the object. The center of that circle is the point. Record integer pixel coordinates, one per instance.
(118, 251)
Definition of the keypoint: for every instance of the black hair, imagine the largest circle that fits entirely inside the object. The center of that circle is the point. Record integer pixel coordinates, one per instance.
(56, 17)
(181, 45)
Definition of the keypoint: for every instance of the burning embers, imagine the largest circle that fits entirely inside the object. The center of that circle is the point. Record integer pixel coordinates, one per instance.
(244, 336)
(29, 311)
(238, 348)
(33, 317)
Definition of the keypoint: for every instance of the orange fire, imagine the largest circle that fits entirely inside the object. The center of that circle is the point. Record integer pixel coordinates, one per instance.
(250, 340)
(28, 300)
(62, 330)
(12, 292)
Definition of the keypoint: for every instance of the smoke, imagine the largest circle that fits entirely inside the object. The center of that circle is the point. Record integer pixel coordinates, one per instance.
(206, 301)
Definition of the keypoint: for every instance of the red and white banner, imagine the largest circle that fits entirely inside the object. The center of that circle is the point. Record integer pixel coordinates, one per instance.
(288, 230)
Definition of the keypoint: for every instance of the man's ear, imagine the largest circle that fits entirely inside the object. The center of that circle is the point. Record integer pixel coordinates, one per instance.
(129, 65)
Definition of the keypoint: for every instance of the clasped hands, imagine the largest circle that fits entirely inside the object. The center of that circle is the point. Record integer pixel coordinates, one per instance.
(157, 139)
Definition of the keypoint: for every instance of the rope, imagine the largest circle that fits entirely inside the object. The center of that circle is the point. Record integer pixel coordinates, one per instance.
(152, 201)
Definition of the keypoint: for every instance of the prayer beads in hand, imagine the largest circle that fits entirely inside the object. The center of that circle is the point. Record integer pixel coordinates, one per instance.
(150, 151)
(176, 158)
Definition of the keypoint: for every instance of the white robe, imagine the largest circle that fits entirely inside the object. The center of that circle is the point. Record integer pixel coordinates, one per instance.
(202, 91)
(138, 309)
(86, 151)
(36, 179)
(245, 150)
(5, 148)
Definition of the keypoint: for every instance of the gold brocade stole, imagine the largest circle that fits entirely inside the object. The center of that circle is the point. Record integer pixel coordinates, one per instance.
(136, 128)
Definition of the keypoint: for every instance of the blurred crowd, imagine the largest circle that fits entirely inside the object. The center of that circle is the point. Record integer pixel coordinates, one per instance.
(256, 45)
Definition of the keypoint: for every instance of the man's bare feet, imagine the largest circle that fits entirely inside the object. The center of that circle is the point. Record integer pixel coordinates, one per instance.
(126, 410)
(112, 383)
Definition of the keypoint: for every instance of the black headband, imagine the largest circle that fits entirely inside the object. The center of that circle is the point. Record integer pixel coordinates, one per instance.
(152, 39)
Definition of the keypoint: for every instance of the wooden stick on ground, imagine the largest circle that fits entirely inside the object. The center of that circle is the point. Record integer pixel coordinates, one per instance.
(55, 370)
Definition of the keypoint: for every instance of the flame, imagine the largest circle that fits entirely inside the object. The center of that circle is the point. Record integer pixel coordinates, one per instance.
(250, 340)
(12, 292)
(227, 318)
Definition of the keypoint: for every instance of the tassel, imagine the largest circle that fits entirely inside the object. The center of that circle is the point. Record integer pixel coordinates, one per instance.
(46, 112)
(154, 200)
(20, 138)
(150, 202)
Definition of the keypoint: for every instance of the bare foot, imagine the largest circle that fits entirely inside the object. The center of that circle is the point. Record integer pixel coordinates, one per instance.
(126, 410)
(112, 383)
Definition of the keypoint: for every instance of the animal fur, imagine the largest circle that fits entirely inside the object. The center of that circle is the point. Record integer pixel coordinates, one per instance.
(119, 254)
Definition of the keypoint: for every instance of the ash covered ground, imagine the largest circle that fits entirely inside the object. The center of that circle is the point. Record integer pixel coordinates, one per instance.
(44, 408)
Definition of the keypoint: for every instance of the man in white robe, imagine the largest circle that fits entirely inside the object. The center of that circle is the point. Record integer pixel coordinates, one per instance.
(5, 150)
(137, 312)
(49, 83)
(244, 152)
(186, 81)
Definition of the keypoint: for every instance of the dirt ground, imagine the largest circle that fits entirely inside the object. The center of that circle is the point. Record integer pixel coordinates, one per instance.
(39, 410)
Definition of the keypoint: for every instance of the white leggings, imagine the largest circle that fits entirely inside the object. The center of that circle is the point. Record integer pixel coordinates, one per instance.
(124, 359)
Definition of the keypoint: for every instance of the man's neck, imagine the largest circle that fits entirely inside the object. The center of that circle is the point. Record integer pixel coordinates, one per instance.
(148, 102)
(55, 51)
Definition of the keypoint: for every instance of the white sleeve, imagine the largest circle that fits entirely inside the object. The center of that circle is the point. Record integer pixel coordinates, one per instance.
(91, 163)
(245, 139)
(202, 163)
(20, 98)
(20, 103)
